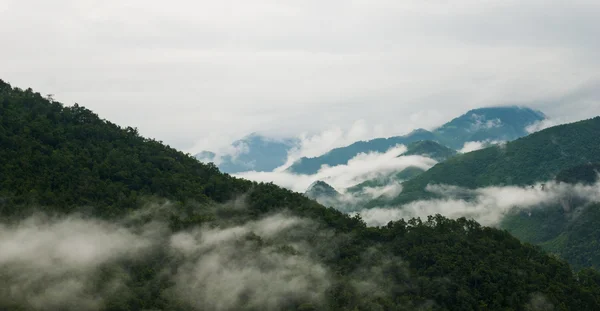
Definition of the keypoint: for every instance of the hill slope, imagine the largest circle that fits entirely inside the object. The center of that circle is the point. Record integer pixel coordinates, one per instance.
(537, 157)
(223, 243)
(485, 124)
(570, 229)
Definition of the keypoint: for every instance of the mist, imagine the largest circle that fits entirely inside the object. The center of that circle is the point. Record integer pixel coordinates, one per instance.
(274, 262)
(486, 205)
(364, 166)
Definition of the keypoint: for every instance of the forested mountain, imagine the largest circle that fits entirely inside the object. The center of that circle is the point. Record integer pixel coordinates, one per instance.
(484, 125)
(252, 153)
(570, 229)
(489, 124)
(537, 157)
(131, 224)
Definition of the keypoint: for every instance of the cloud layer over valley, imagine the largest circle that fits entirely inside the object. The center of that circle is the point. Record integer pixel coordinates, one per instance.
(486, 205)
(361, 168)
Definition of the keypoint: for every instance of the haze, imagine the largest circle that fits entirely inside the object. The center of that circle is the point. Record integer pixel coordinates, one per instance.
(200, 74)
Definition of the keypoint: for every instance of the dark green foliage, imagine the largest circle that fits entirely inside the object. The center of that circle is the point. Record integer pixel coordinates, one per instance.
(63, 159)
(585, 174)
(537, 157)
(67, 157)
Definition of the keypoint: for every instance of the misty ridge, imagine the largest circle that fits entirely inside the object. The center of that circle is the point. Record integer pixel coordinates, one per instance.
(489, 205)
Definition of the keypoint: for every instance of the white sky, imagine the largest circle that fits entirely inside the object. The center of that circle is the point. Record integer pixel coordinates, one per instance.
(199, 74)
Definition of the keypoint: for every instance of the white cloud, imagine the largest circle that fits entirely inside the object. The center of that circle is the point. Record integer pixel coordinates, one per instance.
(199, 75)
(542, 125)
(485, 205)
(363, 167)
(480, 122)
(50, 263)
(471, 146)
(389, 191)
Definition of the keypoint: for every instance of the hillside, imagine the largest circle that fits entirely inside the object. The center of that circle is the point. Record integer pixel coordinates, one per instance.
(537, 157)
(569, 230)
(115, 221)
(484, 124)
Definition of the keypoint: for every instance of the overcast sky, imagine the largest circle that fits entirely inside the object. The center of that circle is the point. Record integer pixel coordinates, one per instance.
(197, 74)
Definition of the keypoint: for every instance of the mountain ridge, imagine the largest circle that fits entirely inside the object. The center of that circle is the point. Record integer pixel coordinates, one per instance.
(483, 124)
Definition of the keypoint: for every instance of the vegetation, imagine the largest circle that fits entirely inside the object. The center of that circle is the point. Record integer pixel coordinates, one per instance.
(537, 157)
(570, 230)
(66, 159)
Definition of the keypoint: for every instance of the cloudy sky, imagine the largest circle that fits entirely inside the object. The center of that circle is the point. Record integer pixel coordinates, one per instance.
(198, 74)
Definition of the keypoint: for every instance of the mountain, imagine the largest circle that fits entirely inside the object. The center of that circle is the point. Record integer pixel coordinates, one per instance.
(252, 153)
(97, 217)
(570, 229)
(489, 124)
(484, 125)
(323, 193)
(319, 189)
(425, 148)
(339, 156)
(537, 157)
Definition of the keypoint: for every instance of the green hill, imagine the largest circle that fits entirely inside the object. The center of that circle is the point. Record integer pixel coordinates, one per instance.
(569, 230)
(176, 234)
(537, 157)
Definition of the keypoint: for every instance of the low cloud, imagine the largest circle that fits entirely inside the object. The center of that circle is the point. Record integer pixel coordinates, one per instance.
(480, 122)
(247, 266)
(542, 125)
(471, 146)
(364, 166)
(52, 264)
(276, 262)
(318, 144)
(389, 191)
(486, 205)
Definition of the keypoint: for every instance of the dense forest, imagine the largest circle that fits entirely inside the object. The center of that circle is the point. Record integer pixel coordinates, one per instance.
(214, 242)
